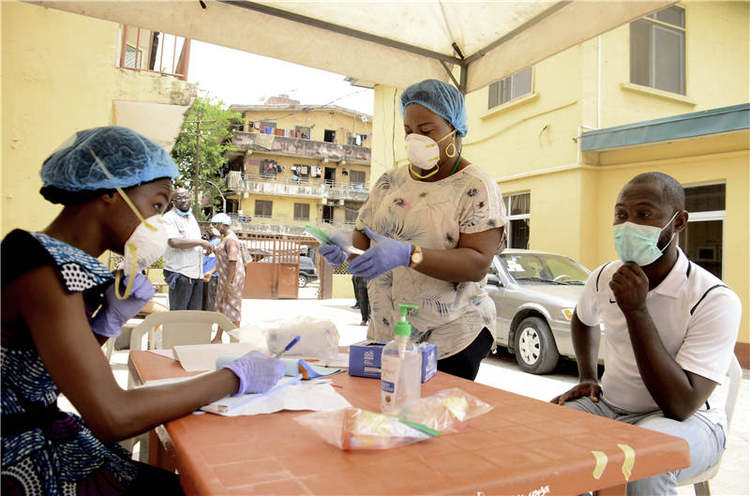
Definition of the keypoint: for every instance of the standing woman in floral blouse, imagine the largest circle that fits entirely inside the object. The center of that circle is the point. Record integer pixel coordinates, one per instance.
(431, 229)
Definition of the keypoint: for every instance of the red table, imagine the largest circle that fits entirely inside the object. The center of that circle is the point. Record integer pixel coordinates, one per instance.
(523, 445)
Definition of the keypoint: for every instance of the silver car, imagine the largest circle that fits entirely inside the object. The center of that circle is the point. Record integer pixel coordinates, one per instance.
(535, 294)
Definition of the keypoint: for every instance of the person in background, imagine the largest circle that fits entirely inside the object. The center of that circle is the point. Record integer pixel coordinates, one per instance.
(231, 271)
(183, 260)
(210, 274)
(430, 229)
(671, 328)
(60, 303)
(363, 300)
(355, 281)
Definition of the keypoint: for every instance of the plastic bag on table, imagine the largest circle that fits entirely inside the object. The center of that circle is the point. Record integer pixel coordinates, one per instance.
(354, 428)
(445, 410)
(319, 338)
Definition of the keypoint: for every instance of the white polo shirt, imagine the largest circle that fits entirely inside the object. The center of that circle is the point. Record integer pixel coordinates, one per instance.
(186, 261)
(697, 318)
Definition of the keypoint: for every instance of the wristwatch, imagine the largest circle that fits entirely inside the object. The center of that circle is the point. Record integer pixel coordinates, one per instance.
(416, 256)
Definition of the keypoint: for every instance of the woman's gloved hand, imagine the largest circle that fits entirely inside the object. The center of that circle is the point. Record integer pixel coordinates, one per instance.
(386, 254)
(257, 372)
(332, 254)
(115, 312)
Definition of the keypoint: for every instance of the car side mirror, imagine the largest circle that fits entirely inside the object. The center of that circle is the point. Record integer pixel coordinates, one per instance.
(493, 280)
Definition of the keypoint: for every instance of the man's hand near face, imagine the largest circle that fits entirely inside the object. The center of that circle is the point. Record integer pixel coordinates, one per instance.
(630, 287)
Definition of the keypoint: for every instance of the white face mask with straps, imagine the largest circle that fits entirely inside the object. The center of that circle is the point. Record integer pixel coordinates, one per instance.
(146, 244)
(424, 152)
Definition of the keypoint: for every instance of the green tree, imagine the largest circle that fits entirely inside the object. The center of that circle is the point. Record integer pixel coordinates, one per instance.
(207, 129)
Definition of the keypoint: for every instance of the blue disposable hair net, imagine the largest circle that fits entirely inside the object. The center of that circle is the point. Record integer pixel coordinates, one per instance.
(130, 158)
(440, 97)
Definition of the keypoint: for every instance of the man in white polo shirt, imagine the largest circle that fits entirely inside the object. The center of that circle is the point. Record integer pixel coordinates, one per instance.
(670, 330)
(183, 259)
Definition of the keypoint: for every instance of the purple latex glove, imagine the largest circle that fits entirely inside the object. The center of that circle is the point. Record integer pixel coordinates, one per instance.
(257, 372)
(386, 254)
(115, 312)
(332, 254)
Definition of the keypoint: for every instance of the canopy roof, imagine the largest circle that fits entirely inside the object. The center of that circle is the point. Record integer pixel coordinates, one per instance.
(383, 42)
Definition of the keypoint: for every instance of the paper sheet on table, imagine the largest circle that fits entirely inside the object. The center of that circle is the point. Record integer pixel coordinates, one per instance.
(304, 395)
(164, 353)
(171, 380)
(194, 357)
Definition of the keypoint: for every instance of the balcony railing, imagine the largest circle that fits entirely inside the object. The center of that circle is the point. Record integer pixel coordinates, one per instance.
(318, 150)
(286, 189)
(281, 225)
(268, 185)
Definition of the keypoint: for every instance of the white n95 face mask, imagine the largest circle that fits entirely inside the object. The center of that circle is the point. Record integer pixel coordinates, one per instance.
(145, 245)
(424, 152)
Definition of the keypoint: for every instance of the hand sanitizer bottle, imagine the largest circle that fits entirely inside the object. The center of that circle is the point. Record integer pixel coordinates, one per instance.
(401, 361)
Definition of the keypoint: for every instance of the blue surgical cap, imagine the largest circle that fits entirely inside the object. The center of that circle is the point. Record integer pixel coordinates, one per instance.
(130, 158)
(440, 97)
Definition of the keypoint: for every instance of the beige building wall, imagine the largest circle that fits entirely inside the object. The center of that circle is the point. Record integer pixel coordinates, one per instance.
(717, 55)
(60, 75)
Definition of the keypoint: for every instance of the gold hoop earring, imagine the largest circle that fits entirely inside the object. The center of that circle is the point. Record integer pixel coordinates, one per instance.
(455, 151)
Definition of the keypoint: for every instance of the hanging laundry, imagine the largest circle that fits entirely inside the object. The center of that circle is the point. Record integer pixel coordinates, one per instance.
(278, 168)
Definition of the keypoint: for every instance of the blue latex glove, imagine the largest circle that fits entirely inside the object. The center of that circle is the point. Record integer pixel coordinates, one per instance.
(332, 254)
(257, 372)
(386, 254)
(115, 312)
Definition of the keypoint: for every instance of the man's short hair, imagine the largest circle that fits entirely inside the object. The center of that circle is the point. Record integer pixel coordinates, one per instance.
(674, 193)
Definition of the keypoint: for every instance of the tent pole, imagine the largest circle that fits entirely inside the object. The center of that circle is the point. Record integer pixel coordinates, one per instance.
(450, 74)
(464, 77)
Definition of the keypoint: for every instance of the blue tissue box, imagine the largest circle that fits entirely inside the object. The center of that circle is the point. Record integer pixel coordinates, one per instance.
(364, 359)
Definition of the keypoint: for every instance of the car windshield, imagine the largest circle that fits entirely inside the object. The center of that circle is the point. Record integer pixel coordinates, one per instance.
(541, 267)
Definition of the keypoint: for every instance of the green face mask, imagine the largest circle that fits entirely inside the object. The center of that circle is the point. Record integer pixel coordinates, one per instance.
(638, 243)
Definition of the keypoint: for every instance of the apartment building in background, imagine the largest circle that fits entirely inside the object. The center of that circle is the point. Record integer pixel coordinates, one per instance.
(297, 164)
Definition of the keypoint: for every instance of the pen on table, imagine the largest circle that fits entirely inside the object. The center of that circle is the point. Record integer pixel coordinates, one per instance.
(287, 347)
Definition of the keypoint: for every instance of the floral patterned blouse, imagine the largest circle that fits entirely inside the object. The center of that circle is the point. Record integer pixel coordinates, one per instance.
(432, 215)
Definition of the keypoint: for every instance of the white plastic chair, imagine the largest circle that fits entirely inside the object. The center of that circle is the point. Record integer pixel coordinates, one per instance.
(700, 482)
(168, 329)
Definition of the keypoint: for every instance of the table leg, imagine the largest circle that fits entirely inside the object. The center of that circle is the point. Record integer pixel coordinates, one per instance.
(158, 455)
(620, 490)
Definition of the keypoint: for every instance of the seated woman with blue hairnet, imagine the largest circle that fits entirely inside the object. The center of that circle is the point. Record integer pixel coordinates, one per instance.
(59, 304)
(431, 229)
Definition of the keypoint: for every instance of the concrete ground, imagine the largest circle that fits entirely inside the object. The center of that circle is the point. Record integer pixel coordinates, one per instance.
(500, 371)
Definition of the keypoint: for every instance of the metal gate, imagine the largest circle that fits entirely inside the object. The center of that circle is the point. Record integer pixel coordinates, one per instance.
(274, 271)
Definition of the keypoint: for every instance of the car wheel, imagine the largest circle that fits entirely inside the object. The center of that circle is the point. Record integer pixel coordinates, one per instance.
(535, 348)
(302, 281)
